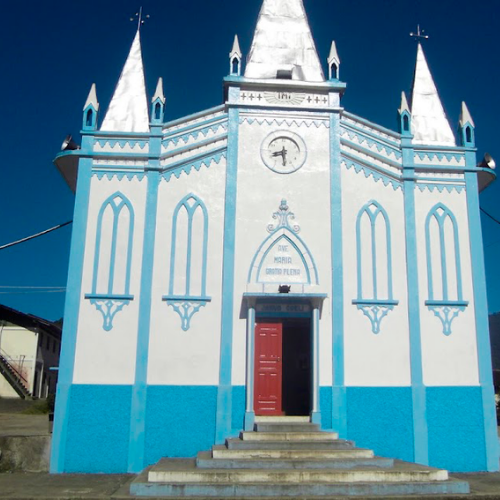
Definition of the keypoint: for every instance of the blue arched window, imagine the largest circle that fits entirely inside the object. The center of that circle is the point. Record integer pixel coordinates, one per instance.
(188, 259)
(444, 272)
(374, 263)
(112, 257)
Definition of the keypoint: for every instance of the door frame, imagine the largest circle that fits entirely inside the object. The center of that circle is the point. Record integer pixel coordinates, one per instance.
(253, 301)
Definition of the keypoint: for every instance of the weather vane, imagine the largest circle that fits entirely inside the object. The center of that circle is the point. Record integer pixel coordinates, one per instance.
(419, 34)
(140, 19)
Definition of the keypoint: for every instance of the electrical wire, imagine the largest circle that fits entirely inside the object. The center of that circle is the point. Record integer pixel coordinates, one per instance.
(489, 215)
(59, 226)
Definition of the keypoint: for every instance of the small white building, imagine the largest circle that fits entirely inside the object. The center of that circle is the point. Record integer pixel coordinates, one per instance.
(274, 255)
(29, 348)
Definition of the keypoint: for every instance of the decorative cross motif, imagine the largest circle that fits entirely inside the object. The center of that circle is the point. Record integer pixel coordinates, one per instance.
(140, 20)
(283, 215)
(419, 34)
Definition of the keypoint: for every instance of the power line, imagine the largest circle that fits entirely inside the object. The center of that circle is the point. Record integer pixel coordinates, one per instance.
(35, 235)
(16, 287)
(489, 215)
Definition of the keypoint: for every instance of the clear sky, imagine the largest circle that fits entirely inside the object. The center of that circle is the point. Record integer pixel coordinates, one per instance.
(51, 52)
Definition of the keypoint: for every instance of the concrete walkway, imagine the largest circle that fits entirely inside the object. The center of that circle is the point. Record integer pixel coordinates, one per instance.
(28, 486)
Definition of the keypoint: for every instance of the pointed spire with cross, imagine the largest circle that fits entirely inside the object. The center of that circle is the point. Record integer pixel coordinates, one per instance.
(419, 35)
(140, 19)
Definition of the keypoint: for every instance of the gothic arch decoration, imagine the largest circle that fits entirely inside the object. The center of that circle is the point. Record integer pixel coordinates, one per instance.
(443, 262)
(283, 257)
(112, 258)
(374, 273)
(187, 283)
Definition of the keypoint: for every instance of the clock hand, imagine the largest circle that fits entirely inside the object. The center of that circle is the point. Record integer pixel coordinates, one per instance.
(284, 153)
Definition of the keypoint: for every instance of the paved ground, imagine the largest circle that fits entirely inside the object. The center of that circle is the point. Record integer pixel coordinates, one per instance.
(25, 486)
(43, 486)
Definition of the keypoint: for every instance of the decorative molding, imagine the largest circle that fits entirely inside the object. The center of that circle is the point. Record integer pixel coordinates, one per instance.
(188, 166)
(284, 98)
(377, 176)
(431, 187)
(371, 143)
(109, 306)
(288, 122)
(294, 263)
(100, 174)
(375, 310)
(440, 156)
(283, 216)
(193, 134)
(186, 307)
(374, 307)
(446, 311)
(444, 307)
(186, 304)
(106, 300)
(122, 143)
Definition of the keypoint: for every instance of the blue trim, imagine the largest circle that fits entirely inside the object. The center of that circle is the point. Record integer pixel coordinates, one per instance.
(420, 431)
(379, 142)
(280, 122)
(116, 208)
(93, 118)
(111, 173)
(316, 410)
(196, 162)
(195, 116)
(339, 408)
(369, 152)
(372, 216)
(377, 128)
(441, 220)
(71, 315)
(378, 173)
(250, 370)
(481, 316)
(121, 142)
(442, 307)
(186, 305)
(137, 432)
(223, 425)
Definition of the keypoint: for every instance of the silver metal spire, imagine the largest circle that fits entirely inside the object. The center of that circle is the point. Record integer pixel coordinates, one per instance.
(429, 124)
(465, 116)
(283, 42)
(128, 110)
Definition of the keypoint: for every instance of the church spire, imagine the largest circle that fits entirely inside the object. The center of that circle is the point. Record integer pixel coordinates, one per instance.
(283, 46)
(128, 110)
(429, 124)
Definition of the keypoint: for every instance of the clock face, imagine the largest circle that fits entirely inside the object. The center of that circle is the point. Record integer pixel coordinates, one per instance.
(283, 152)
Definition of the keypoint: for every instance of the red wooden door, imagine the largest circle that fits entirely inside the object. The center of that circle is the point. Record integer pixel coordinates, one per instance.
(268, 369)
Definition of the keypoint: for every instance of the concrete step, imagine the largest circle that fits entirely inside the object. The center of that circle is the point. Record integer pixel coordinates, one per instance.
(289, 436)
(206, 461)
(170, 470)
(259, 453)
(286, 427)
(141, 487)
(329, 444)
(281, 419)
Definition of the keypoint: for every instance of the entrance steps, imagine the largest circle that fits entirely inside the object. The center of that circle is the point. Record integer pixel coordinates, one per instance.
(290, 459)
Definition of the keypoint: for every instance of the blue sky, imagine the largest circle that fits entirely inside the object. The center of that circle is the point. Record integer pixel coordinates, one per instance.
(51, 53)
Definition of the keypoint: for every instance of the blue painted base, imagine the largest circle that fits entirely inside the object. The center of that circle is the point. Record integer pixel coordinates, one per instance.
(181, 421)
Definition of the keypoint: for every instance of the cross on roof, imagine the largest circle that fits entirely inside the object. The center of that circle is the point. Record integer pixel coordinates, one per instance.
(419, 34)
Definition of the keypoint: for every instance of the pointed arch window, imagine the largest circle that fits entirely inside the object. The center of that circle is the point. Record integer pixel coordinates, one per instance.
(444, 272)
(188, 259)
(374, 264)
(112, 258)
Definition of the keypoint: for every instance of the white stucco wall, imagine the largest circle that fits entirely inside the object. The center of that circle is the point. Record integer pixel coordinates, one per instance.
(371, 359)
(260, 191)
(108, 357)
(452, 359)
(191, 357)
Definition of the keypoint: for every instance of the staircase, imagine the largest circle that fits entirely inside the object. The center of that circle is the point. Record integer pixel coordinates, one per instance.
(290, 459)
(13, 377)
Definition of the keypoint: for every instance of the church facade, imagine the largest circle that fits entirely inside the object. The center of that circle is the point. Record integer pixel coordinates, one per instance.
(274, 256)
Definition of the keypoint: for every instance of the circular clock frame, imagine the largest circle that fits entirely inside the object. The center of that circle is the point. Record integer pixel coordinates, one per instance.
(284, 160)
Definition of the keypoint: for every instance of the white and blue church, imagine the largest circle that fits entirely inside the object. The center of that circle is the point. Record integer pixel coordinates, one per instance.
(274, 256)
